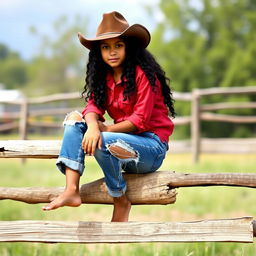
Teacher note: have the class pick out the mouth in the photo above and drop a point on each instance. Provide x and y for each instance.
(113, 60)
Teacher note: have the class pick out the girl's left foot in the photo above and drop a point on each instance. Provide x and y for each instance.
(67, 198)
(122, 207)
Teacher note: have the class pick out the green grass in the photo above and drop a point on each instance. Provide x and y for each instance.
(192, 204)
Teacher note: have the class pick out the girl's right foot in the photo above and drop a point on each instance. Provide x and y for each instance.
(67, 198)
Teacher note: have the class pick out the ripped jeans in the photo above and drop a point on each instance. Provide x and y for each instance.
(145, 154)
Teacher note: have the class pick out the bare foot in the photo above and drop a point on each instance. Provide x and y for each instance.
(67, 198)
(122, 207)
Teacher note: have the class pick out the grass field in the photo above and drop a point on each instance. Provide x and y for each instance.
(192, 204)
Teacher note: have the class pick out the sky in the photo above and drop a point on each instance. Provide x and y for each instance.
(17, 16)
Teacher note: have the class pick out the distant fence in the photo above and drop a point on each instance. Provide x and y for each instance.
(199, 112)
(21, 119)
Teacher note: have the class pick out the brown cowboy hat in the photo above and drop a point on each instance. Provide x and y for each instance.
(113, 25)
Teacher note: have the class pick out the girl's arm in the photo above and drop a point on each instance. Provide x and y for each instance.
(124, 126)
(92, 137)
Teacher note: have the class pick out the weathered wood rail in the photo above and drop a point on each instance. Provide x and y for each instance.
(227, 230)
(154, 188)
(50, 148)
(142, 189)
(29, 148)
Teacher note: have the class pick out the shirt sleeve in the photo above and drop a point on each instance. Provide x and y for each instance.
(145, 100)
(91, 107)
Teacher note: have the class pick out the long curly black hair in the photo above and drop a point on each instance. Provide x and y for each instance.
(97, 69)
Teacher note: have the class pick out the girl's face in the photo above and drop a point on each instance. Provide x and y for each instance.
(113, 52)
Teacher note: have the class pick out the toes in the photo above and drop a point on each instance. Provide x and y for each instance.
(49, 207)
(46, 208)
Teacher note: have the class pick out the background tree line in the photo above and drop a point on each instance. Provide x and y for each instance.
(211, 44)
(57, 67)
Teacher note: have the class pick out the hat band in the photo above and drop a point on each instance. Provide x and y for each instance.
(109, 33)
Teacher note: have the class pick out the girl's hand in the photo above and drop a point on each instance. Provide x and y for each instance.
(103, 127)
(92, 139)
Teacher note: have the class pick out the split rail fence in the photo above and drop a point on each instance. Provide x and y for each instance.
(199, 112)
(154, 188)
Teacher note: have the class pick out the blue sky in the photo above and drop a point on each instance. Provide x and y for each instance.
(16, 16)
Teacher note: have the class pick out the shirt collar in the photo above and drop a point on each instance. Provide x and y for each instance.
(111, 82)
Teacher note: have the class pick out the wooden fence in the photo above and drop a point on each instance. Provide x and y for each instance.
(199, 112)
(153, 188)
(25, 113)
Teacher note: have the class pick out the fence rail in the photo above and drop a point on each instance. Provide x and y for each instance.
(199, 112)
(226, 230)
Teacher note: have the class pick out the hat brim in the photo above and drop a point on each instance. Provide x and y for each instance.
(138, 31)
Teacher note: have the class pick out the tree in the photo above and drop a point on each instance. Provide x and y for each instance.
(207, 43)
(211, 44)
(13, 72)
(4, 51)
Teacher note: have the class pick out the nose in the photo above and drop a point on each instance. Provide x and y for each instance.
(112, 51)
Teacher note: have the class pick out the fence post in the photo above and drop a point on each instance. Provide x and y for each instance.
(195, 125)
(23, 127)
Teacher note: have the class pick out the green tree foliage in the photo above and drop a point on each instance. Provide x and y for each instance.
(209, 44)
(60, 63)
(206, 43)
(13, 71)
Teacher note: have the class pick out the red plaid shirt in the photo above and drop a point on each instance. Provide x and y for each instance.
(145, 109)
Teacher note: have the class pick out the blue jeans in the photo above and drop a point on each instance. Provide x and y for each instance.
(148, 154)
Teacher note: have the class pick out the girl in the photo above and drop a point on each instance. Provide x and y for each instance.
(123, 79)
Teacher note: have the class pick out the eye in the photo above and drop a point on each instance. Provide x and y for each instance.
(119, 45)
(104, 46)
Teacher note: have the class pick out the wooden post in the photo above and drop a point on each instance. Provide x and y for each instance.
(23, 127)
(195, 125)
(23, 119)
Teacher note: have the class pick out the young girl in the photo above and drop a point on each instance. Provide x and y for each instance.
(123, 79)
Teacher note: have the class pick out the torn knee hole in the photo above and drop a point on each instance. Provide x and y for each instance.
(122, 152)
(73, 118)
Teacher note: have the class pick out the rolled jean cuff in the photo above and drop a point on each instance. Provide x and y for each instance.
(117, 193)
(63, 162)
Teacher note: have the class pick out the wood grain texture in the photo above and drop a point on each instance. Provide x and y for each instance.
(29, 148)
(50, 148)
(152, 188)
(227, 230)
(141, 189)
